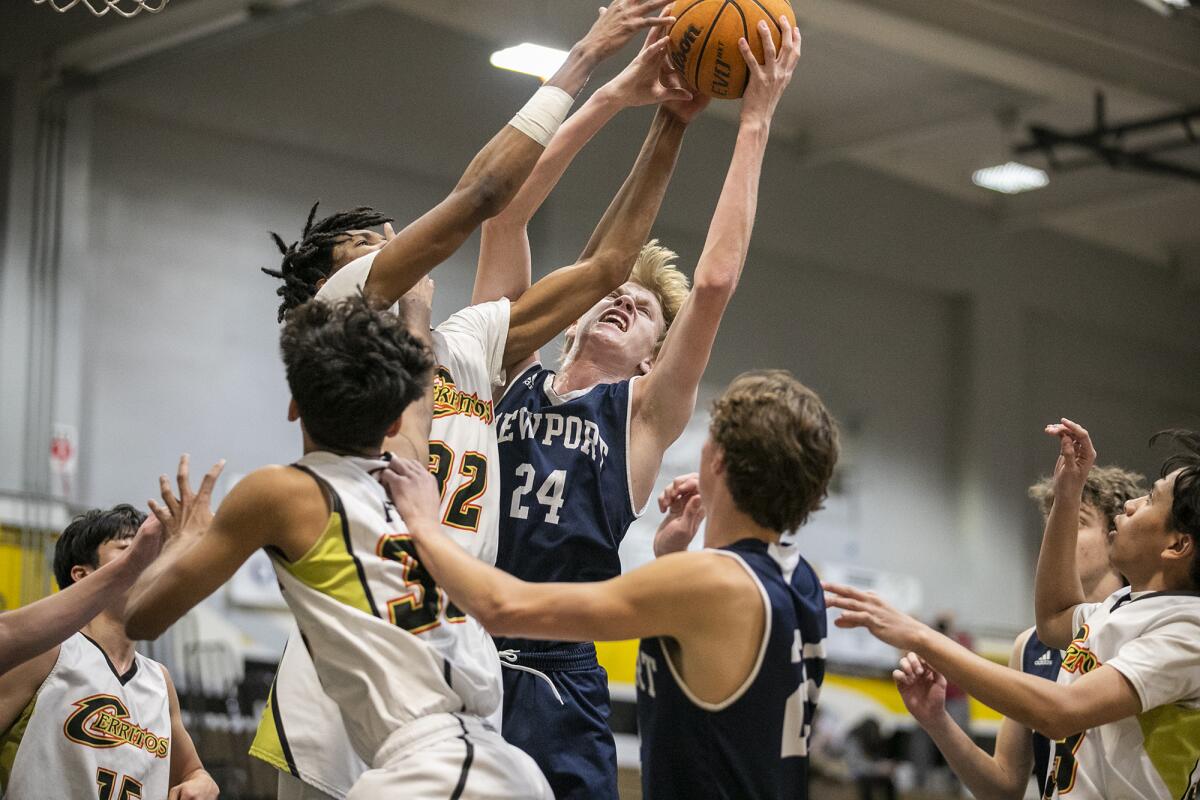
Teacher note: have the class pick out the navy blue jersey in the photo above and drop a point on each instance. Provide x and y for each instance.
(1044, 661)
(565, 501)
(755, 745)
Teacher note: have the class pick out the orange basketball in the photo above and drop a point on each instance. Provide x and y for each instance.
(705, 35)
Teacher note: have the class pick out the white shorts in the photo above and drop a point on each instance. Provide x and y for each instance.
(450, 756)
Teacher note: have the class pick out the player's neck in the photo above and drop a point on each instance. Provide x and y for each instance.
(584, 373)
(108, 631)
(1101, 586)
(311, 446)
(727, 524)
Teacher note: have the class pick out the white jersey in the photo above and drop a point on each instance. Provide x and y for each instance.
(89, 732)
(1153, 640)
(300, 731)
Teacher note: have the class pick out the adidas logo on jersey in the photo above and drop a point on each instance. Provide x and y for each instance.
(1044, 660)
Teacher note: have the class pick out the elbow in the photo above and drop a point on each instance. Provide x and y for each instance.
(721, 285)
(139, 627)
(498, 619)
(486, 196)
(612, 265)
(1054, 722)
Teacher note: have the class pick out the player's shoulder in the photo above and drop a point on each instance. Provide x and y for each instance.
(23, 681)
(279, 489)
(1019, 645)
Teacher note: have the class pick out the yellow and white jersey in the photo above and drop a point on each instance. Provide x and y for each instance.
(89, 732)
(1153, 640)
(300, 731)
(388, 646)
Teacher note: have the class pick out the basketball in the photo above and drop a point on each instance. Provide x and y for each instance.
(704, 41)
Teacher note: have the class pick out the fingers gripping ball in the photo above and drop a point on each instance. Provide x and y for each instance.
(704, 41)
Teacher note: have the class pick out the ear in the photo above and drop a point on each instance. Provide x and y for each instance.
(394, 428)
(1180, 547)
(718, 460)
(293, 410)
(79, 572)
(320, 282)
(645, 365)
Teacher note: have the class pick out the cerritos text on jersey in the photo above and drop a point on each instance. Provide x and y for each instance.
(102, 721)
(575, 432)
(448, 399)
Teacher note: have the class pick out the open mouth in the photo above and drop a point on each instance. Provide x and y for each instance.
(615, 318)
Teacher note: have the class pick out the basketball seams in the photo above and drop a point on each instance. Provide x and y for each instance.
(746, 36)
(680, 15)
(774, 21)
(716, 20)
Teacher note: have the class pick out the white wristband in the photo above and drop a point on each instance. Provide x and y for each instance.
(542, 115)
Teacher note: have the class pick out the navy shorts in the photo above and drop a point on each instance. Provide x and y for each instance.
(564, 728)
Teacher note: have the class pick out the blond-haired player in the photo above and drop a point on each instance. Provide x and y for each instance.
(580, 448)
(1005, 775)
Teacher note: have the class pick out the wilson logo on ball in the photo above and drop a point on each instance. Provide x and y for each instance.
(704, 41)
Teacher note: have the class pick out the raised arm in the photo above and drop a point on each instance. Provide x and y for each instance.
(33, 629)
(1057, 587)
(1103, 695)
(504, 258)
(561, 297)
(664, 400)
(272, 506)
(1002, 776)
(501, 167)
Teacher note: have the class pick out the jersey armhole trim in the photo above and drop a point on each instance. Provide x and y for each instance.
(533, 368)
(637, 512)
(762, 648)
(336, 507)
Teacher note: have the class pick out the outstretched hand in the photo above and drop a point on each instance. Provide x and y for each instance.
(1076, 455)
(143, 549)
(769, 79)
(414, 493)
(681, 503)
(868, 610)
(922, 688)
(190, 513)
(649, 78)
(620, 21)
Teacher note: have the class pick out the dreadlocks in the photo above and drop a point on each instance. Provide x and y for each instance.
(309, 260)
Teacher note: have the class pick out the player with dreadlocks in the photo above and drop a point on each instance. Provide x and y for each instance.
(485, 188)
(307, 263)
(474, 350)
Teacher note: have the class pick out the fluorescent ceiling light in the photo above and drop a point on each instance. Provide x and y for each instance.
(1010, 178)
(531, 59)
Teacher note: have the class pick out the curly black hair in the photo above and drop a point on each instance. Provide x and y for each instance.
(309, 260)
(1185, 503)
(353, 367)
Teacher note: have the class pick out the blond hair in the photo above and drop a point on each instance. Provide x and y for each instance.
(655, 270)
(1106, 490)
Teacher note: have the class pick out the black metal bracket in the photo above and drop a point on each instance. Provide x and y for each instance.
(1106, 144)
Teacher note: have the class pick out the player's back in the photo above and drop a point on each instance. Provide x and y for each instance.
(387, 644)
(90, 732)
(565, 496)
(754, 744)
